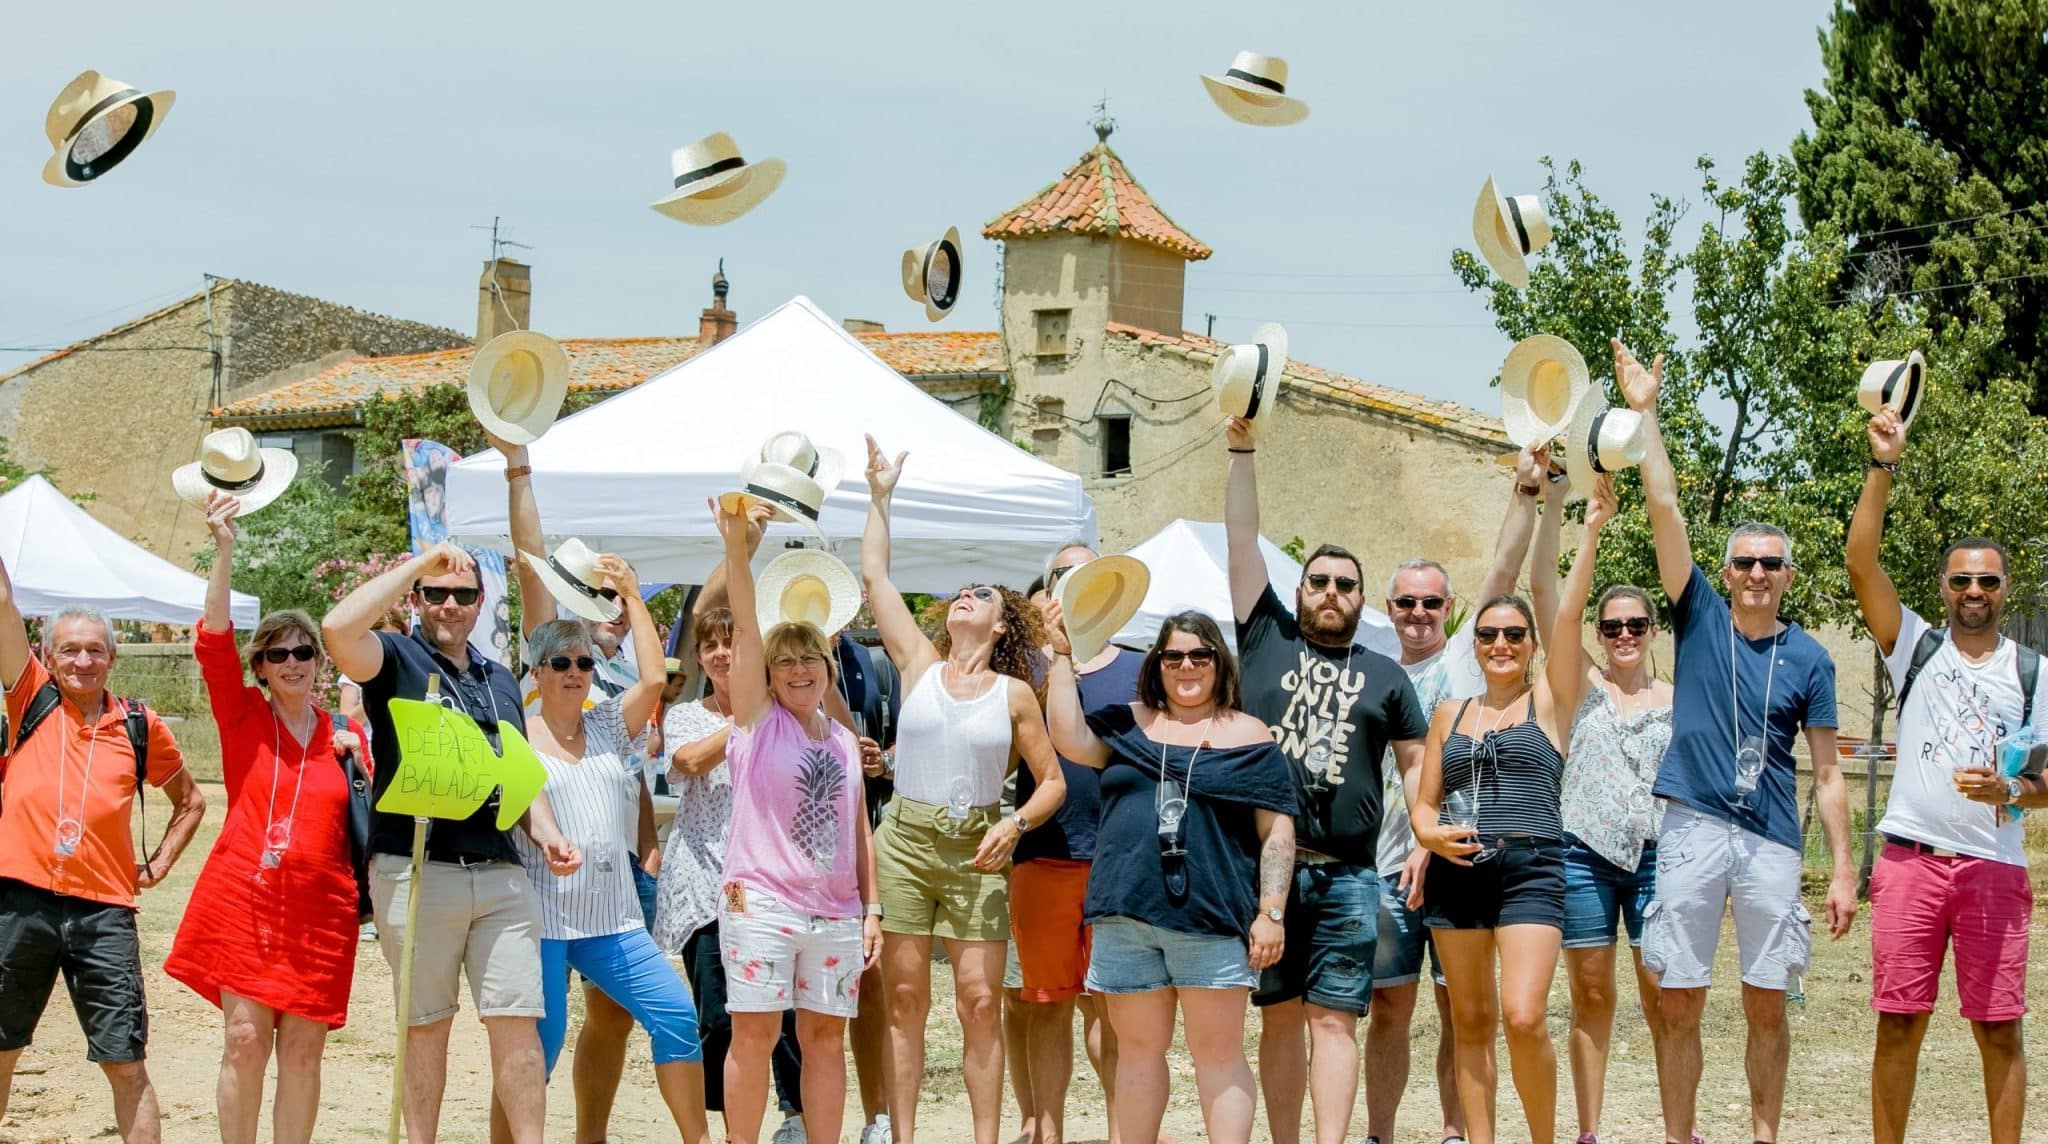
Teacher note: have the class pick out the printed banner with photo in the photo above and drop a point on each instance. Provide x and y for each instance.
(426, 502)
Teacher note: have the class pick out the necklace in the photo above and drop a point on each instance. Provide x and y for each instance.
(951, 675)
(71, 829)
(277, 833)
(1171, 809)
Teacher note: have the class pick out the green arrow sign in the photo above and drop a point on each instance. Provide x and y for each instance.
(446, 768)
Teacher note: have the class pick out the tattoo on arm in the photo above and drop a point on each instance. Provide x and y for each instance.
(1276, 867)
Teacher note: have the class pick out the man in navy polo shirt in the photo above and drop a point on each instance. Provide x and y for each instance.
(477, 911)
(1747, 683)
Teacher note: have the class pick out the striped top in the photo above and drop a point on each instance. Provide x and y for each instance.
(1516, 771)
(596, 800)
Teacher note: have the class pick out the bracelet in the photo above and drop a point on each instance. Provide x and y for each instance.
(1245, 452)
(874, 909)
(1528, 490)
(518, 471)
(1887, 466)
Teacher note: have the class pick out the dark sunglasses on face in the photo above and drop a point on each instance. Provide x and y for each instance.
(1635, 625)
(983, 593)
(1320, 581)
(464, 597)
(1745, 563)
(1988, 581)
(304, 653)
(1514, 635)
(611, 594)
(1426, 603)
(1199, 656)
(581, 663)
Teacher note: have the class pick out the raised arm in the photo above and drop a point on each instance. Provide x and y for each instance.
(713, 594)
(349, 627)
(1543, 577)
(908, 647)
(637, 703)
(14, 650)
(1064, 719)
(1639, 387)
(1517, 525)
(1875, 592)
(220, 522)
(1566, 665)
(1241, 521)
(536, 603)
(749, 680)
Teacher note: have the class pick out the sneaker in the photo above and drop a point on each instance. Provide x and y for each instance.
(878, 1132)
(791, 1132)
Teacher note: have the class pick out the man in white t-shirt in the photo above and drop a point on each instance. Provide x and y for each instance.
(1440, 667)
(1953, 871)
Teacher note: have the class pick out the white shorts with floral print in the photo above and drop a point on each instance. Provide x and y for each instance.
(777, 958)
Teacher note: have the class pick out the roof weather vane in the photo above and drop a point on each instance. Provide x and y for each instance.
(1104, 126)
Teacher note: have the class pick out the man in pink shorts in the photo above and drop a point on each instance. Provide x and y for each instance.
(1953, 871)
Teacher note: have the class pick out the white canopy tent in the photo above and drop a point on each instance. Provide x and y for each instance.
(1190, 565)
(632, 475)
(59, 556)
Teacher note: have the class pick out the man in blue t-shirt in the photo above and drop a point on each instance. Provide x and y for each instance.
(1746, 684)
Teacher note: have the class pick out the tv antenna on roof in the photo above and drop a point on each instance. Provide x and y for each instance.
(498, 240)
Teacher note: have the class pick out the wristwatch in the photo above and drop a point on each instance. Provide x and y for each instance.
(1275, 914)
(2013, 789)
(874, 909)
(1022, 823)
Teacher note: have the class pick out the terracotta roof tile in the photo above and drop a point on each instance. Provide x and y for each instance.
(1098, 196)
(1447, 416)
(595, 365)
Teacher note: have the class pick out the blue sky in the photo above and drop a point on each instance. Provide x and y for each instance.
(346, 151)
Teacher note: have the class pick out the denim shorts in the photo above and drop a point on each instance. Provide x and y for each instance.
(1332, 927)
(1397, 955)
(1129, 956)
(1600, 897)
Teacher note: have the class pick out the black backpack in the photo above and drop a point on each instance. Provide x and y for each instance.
(136, 718)
(2027, 661)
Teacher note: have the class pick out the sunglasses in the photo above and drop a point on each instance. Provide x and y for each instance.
(1426, 603)
(1320, 581)
(1175, 657)
(1989, 581)
(1514, 635)
(983, 593)
(611, 594)
(1634, 625)
(304, 653)
(787, 662)
(582, 663)
(1745, 563)
(464, 597)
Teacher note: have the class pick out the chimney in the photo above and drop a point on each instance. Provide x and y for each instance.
(504, 299)
(717, 323)
(861, 326)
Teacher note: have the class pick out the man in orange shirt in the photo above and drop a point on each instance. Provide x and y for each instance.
(68, 873)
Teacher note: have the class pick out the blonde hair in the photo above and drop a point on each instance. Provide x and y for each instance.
(799, 639)
(276, 626)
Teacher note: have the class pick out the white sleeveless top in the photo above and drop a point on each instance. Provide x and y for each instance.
(940, 738)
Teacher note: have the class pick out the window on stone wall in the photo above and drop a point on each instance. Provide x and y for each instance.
(1052, 332)
(1116, 444)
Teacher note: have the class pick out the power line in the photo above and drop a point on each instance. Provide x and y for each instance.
(1935, 289)
(1940, 222)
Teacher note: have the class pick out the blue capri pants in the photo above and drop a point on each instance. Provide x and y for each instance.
(631, 970)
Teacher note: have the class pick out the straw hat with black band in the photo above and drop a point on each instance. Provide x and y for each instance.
(1254, 91)
(1602, 439)
(1895, 385)
(571, 575)
(1246, 377)
(229, 462)
(792, 475)
(714, 184)
(806, 585)
(932, 275)
(96, 122)
(1509, 229)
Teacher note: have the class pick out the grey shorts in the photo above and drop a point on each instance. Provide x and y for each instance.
(1706, 866)
(483, 920)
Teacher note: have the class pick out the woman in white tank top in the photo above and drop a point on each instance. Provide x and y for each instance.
(943, 850)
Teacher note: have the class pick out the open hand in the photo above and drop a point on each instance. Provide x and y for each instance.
(1639, 386)
(221, 510)
(882, 472)
(619, 575)
(1601, 503)
(445, 559)
(1056, 627)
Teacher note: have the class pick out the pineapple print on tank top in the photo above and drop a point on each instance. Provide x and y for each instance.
(821, 780)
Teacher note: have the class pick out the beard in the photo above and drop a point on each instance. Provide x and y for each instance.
(1319, 626)
(1972, 620)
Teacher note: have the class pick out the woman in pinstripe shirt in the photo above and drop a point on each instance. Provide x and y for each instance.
(591, 920)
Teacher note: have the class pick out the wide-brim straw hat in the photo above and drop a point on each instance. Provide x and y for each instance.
(1509, 229)
(1895, 384)
(516, 385)
(572, 578)
(1246, 377)
(714, 184)
(96, 122)
(229, 462)
(932, 275)
(806, 585)
(1254, 91)
(1541, 384)
(1602, 439)
(1100, 597)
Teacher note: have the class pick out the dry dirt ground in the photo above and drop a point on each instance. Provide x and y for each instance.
(59, 1097)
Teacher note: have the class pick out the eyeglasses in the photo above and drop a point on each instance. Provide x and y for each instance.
(789, 662)
(1514, 635)
(1426, 603)
(304, 653)
(1199, 656)
(464, 597)
(611, 594)
(1989, 581)
(1058, 574)
(582, 663)
(1745, 563)
(983, 593)
(1635, 625)
(1320, 581)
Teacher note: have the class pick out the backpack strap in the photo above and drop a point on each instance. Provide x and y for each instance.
(1929, 643)
(136, 716)
(44, 701)
(2029, 663)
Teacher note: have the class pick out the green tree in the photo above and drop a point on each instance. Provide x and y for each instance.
(279, 550)
(1927, 151)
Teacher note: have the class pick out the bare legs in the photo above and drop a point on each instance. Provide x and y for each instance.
(1215, 1039)
(597, 1063)
(1591, 975)
(253, 1032)
(1528, 963)
(869, 1036)
(1302, 1042)
(977, 972)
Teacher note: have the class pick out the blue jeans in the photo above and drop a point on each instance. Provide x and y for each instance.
(1129, 956)
(1332, 926)
(631, 970)
(1600, 897)
(1397, 956)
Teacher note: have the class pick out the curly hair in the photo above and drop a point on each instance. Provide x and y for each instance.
(1023, 634)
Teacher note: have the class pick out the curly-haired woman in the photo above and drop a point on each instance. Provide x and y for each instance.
(969, 715)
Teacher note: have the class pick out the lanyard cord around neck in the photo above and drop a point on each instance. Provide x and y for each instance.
(92, 743)
(1187, 785)
(270, 819)
(1770, 676)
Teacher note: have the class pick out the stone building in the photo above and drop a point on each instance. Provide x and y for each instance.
(113, 415)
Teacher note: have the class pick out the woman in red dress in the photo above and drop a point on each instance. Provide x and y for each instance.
(270, 932)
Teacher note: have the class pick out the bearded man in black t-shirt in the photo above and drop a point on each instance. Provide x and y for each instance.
(1336, 708)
